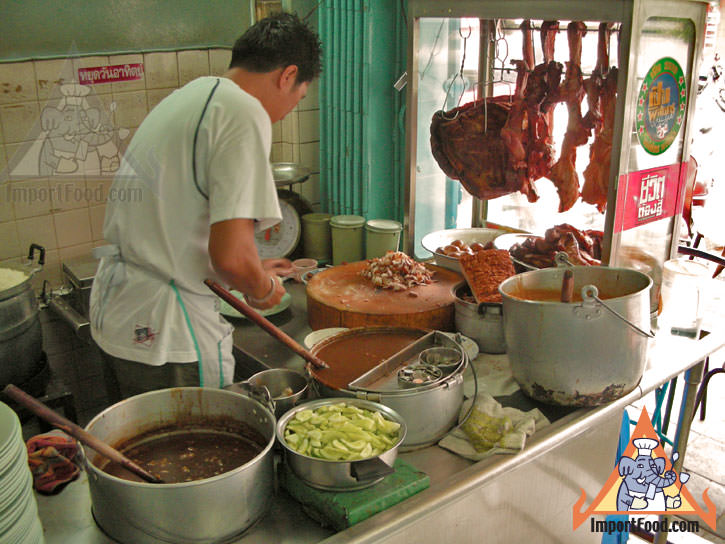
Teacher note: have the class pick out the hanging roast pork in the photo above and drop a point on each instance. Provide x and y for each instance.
(602, 99)
(484, 144)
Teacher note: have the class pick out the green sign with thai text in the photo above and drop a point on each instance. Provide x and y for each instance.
(661, 105)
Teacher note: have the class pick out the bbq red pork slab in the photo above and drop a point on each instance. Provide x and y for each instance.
(466, 143)
(484, 144)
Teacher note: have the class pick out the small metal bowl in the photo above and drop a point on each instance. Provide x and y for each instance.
(341, 475)
(443, 358)
(286, 387)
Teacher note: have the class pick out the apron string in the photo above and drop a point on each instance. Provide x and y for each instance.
(172, 283)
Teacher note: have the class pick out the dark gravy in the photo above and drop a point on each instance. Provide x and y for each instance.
(349, 357)
(188, 455)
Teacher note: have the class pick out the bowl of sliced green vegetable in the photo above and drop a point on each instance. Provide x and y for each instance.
(341, 444)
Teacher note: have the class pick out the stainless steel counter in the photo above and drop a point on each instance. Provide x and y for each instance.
(504, 498)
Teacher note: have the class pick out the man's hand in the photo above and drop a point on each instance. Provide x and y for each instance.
(234, 256)
(280, 267)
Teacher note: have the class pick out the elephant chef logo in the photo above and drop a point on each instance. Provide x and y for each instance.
(644, 482)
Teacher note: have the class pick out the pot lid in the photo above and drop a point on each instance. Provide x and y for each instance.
(383, 226)
(316, 217)
(347, 221)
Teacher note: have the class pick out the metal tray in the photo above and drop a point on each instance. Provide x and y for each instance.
(384, 377)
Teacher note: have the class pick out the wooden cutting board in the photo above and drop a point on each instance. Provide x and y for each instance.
(340, 297)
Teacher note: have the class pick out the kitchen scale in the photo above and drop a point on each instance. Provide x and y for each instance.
(283, 239)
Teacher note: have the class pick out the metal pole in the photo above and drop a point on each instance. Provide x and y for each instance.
(693, 377)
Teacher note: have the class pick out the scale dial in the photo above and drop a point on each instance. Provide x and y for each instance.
(281, 239)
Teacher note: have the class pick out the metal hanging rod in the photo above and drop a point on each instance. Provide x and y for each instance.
(562, 27)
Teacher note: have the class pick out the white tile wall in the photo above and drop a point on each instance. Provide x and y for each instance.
(161, 70)
(17, 82)
(39, 230)
(9, 242)
(97, 214)
(49, 74)
(192, 64)
(65, 213)
(219, 61)
(18, 120)
(68, 194)
(131, 108)
(30, 198)
(73, 228)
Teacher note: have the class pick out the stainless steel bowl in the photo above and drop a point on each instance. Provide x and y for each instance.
(286, 387)
(341, 475)
(441, 238)
(287, 173)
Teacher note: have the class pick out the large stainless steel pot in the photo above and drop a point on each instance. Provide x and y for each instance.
(204, 511)
(578, 353)
(430, 411)
(20, 333)
(341, 475)
(481, 322)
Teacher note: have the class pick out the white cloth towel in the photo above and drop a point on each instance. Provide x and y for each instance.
(492, 429)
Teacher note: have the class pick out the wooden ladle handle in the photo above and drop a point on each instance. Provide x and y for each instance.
(265, 324)
(86, 438)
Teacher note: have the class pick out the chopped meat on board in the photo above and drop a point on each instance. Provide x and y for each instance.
(397, 271)
(564, 174)
(596, 175)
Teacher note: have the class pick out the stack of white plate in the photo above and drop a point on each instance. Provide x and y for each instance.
(19, 521)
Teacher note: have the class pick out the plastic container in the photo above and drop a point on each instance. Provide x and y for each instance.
(316, 236)
(348, 243)
(381, 236)
(684, 284)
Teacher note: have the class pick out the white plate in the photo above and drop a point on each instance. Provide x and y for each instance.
(9, 425)
(228, 311)
(317, 336)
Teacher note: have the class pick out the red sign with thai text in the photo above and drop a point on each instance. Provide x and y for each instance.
(649, 195)
(110, 74)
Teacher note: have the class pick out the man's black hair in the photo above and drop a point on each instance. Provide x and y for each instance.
(278, 41)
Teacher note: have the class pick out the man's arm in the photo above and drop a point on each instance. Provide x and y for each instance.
(234, 257)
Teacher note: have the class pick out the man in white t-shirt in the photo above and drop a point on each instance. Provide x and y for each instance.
(194, 184)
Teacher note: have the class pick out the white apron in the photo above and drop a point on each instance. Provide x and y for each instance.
(209, 333)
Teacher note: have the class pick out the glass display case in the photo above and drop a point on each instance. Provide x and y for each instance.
(462, 51)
